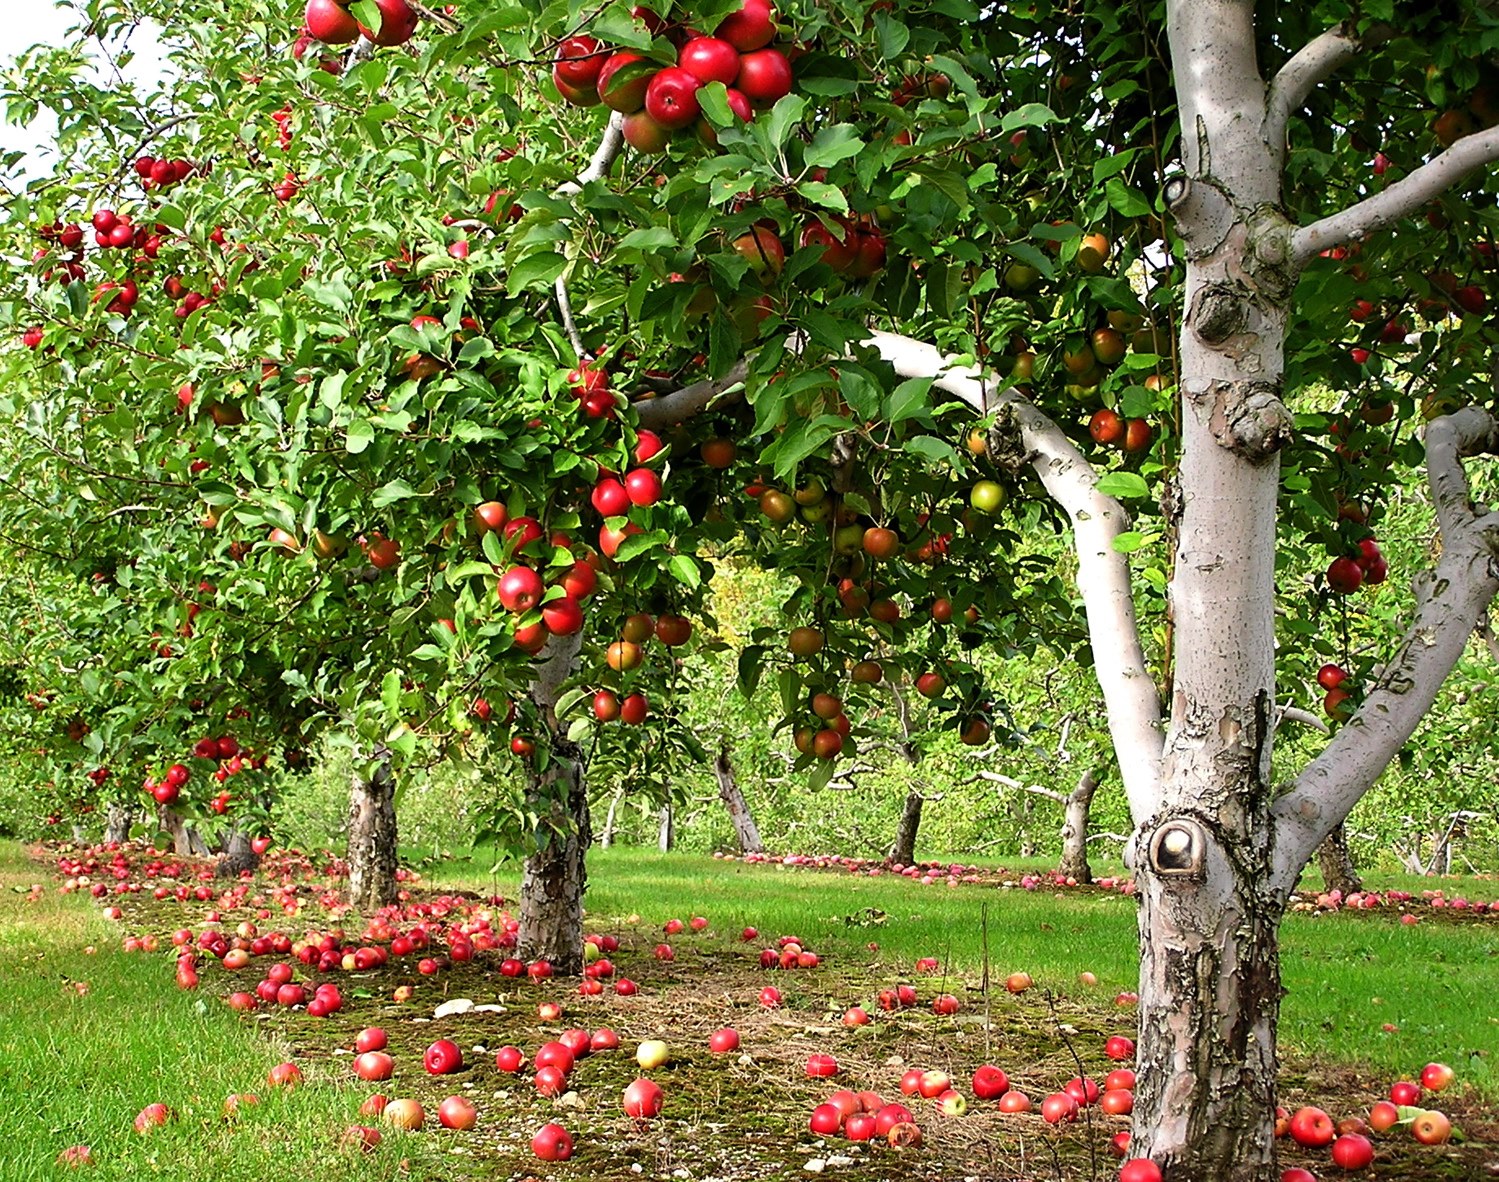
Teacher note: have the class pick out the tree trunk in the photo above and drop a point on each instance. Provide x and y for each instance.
(606, 838)
(187, 842)
(666, 834)
(903, 852)
(372, 836)
(118, 818)
(745, 830)
(1209, 1002)
(555, 877)
(238, 856)
(1074, 862)
(1338, 872)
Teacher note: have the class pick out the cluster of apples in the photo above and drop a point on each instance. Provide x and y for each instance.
(864, 1116)
(331, 22)
(1347, 573)
(162, 173)
(1351, 1149)
(1110, 429)
(657, 100)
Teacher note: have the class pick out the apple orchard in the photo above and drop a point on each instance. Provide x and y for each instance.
(401, 376)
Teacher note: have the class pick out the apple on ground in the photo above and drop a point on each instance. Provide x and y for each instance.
(552, 1143)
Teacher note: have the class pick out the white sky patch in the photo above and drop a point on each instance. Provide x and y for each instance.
(27, 23)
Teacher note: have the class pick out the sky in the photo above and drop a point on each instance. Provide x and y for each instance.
(44, 22)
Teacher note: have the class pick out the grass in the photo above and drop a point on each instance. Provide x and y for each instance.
(76, 1067)
(1346, 975)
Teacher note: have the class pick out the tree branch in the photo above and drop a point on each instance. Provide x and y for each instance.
(1304, 717)
(604, 156)
(1486, 634)
(1010, 782)
(1449, 602)
(671, 409)
(1313, 64)
(1134, 709)
(1404, 197)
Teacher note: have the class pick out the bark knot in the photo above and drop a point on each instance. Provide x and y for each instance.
(1220, 312)
(1246, 417)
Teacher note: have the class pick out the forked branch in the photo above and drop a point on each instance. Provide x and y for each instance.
(1450, 602)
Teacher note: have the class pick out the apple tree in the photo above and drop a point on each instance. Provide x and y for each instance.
(448, 303)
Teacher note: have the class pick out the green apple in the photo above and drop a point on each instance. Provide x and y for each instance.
(987, 496)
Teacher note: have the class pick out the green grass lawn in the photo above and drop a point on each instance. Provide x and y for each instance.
(76, 1067)
(1346, 975)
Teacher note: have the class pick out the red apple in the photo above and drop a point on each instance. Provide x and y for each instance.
(710, 59)
(579, 61)
(1312, 1127)
(723, 1041)
(764, 76)
(1431, 1128)
(404, 1114)
(509, 1059)
(671, 98)
(1058, 1108)
(643, 1099)
(623, 79)
(990, 1083)
(1437, 1077)
(1352, 1152)
(1405, 1094)
(397, 23)
(457, 1112)
(374, 1065)
(749, 28)
(552, 1143)
(442, 1058)
(1119, 1048)
(330, 22)
(521, 589)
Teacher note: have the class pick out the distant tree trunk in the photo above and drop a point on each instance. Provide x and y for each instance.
(118, 818)
(746, 832)
(372, 836)
(903, 851)
(1338, 872)
(554, 878)
(187, 842)
(238, 856)
(666, 834)
(1074, 862)
(606, 838)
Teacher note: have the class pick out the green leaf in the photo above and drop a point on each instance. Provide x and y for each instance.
(909, 399)
(391, 492)
(537, 270)
(1032, 257)
(931, 448)
(648, 238)
(893, 35)
(359, 436)
(1030, 115)
(751, 664)
(685, 570)
(828, 196)
(782, 120)
(1123, 485)
(475, 350)
(1125, 201)
(833, 144)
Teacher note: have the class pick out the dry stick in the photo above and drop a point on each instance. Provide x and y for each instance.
(988, 1008)
(1082, 1075)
